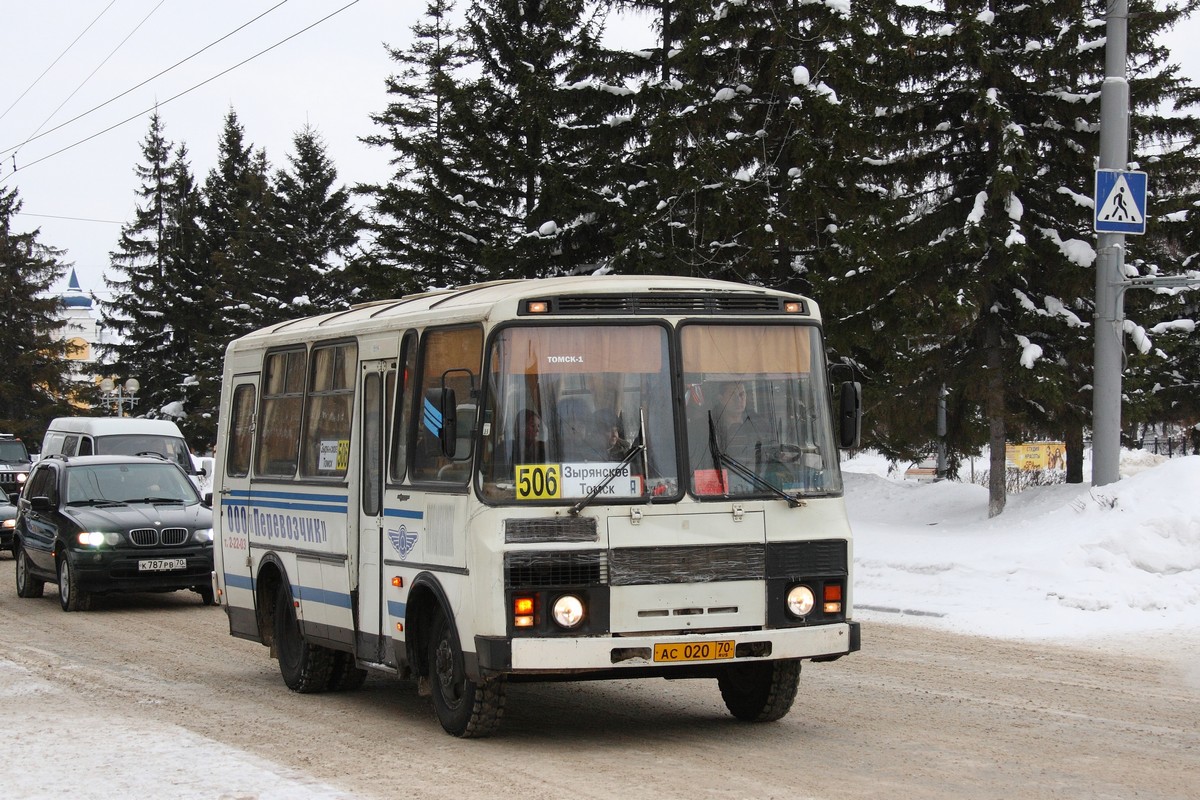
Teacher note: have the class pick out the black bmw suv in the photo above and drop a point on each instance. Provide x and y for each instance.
(98, 524)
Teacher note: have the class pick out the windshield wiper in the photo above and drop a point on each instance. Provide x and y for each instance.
(95, 501)
(741, 469)
(154, 500)
(639, 446)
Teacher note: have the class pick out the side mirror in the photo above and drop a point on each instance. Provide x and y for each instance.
(41, 503)
(206, 499)
(850, 415)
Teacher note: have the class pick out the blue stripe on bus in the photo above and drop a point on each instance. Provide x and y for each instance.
(312, 594)
(404, 513)
(259, 503)
(235, 581)
(308, 496)
(396, 609)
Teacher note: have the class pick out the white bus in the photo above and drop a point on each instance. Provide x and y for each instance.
(559, 479)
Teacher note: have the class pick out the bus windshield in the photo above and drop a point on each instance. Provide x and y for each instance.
(568, 407)
(757, 411)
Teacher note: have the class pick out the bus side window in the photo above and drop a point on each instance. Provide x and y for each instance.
(450, 360)
(401, 421)
(282, 407)
(329, 410)
(237, 459)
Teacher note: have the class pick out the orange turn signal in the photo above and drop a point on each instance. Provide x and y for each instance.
(398, 582)
(537, 307)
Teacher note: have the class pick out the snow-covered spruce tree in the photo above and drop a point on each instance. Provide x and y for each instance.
(988, 147)
(752, 157)
(544, 104)
(422, 237)
(247, 272)
(316, 227)
(149, 291)
(36, 382)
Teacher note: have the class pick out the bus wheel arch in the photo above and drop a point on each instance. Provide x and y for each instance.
(467, 705)
(266, 587)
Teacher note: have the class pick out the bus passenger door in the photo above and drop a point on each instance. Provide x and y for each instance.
(378, 382)
(232, 501)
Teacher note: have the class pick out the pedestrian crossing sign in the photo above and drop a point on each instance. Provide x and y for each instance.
(1120, 202)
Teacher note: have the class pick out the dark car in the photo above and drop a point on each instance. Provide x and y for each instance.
(14, 465)
(8, 520)
(99, 524)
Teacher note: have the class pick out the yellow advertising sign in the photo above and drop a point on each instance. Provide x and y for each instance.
(1036, 456)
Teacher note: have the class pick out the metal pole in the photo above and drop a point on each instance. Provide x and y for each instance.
(1110, 258)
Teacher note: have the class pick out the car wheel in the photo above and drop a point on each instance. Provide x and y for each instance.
(206, 595)
(27, 584)
(70, 596)
(306, 667)
(464, 708)
(762, 691)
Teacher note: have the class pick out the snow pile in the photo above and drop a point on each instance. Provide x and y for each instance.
(1061, 562)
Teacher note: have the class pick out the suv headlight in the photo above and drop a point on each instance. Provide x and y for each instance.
(99, 538)
(203, 536)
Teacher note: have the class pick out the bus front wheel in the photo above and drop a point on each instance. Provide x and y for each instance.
(464, 708)
(762, 691)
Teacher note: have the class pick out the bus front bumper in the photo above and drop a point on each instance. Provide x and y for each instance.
(564, 655)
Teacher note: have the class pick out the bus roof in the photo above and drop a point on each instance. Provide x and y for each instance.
(601, 295)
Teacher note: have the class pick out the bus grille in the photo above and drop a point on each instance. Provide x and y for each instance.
(824, 557)
(634, 566)
(668, 304)
(565, 529)
(531, 569)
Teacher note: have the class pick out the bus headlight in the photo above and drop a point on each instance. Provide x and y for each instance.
(800, 601)
(568, 611)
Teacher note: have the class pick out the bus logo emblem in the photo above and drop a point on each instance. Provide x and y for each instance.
(403, 541)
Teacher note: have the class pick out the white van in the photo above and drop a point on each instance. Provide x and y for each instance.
(83, 436)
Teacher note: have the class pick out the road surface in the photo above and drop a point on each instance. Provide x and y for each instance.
(916, 714)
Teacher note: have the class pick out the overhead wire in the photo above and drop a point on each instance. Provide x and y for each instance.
(188, 90)
(88, 78)
(56, 60)
(157, 75)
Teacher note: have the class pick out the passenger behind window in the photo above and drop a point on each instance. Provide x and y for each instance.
(528, 448)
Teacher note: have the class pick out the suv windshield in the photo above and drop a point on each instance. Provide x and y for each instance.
(128, 483)
(131, 444)
(564, 405)
(12, 451)
(757, 411)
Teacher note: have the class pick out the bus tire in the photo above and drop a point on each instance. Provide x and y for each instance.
(464, 708)
(345, 675)
(306, 667)
(27, 584)
(761, 691)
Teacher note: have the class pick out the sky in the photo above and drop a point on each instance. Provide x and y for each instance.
(63, 58)
(1116, 567)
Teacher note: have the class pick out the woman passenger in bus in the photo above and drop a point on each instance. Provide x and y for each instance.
(610, 445)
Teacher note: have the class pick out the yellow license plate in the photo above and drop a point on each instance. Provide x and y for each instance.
(694, 651)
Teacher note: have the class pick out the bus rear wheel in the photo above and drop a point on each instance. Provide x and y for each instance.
(762, 691)
(464, 708)
(306, 667)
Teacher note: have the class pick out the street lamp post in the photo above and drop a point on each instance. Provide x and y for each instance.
(119, 396)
